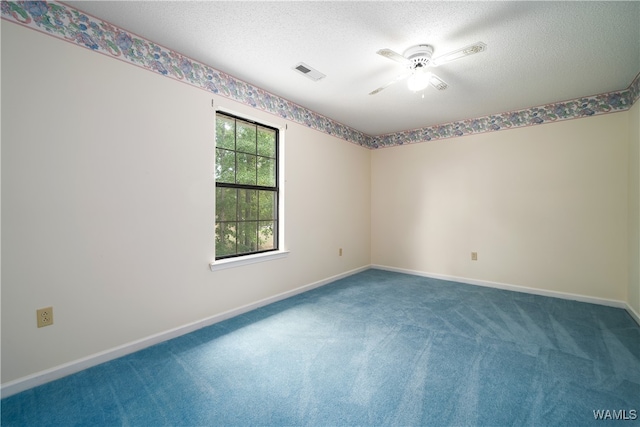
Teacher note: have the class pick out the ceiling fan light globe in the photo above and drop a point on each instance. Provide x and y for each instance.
(418, 81)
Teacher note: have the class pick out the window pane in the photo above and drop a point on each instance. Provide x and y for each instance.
(225, 166)
(266, 171)
(247, 237)
(226, 204)
(225, 238)
(267, 203)
(267, 233)
(246, 172)
(246, 137)
(225, 132)
(247, 205)
(266, 142)
(246, 217)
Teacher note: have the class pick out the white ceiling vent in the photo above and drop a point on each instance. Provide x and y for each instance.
(307, 71)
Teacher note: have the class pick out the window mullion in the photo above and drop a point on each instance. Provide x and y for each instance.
(256, 145)
(237, 223)
(235, 151)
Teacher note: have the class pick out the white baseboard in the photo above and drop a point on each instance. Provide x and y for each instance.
(43, 377)
(515, 288)
(633, 314)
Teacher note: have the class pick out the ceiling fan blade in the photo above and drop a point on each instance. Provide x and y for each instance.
(394, 56)
(396, 80)
(437, 82)
(460, 53)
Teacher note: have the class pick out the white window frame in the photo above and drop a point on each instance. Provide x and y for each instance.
(281, 252)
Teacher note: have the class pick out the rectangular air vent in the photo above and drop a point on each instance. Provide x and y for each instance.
(308, 71)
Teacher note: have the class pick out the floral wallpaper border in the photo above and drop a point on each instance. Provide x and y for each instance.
(634, 90)
(566, 110)
(67, 23)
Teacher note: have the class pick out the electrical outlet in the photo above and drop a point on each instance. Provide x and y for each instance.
(474, 256)
(45, 317)
(340, 252)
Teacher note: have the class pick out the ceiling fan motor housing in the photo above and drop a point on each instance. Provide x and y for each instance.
(419, 56)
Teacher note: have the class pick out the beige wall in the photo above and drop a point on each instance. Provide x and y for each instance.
(545, 207)
(634, 208)
(108, 198)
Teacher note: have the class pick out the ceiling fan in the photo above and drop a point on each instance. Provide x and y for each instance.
(418, 59)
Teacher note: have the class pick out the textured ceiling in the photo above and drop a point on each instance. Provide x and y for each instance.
(537, 52)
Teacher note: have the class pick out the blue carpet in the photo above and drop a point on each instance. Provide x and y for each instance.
(377, 348)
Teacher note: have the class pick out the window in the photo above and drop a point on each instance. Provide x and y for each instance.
(247, 190)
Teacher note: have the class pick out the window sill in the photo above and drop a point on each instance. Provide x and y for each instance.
(246, 260)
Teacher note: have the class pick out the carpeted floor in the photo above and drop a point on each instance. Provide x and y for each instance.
(377, 348)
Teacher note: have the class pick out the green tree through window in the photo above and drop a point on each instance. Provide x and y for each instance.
(246, 174)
